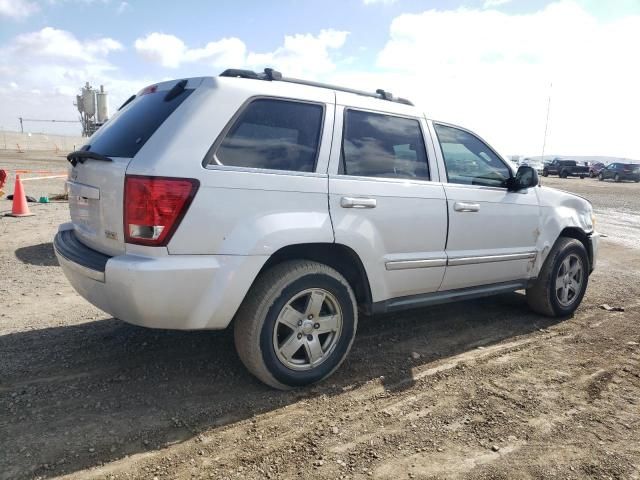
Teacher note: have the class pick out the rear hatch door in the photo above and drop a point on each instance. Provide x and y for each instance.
(96, 186)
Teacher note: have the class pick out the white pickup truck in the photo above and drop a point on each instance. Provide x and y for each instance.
(287, 208)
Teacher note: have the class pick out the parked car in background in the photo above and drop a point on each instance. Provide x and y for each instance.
(594, 170)
(291, 207)
(538, 165)
(565, 168)
(620, 171)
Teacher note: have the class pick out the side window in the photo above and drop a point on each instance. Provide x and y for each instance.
(273, 134)
(470, 161)
(376, 145)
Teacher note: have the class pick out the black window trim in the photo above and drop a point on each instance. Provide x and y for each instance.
(210, 162)
(498, 156)
(392, 179)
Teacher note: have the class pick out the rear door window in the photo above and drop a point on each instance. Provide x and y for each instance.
(377, 145)
(126, 133)
(273, 134)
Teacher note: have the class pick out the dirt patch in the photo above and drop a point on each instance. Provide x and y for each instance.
(478, 389)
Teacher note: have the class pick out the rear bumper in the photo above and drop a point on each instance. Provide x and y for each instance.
(185, 292)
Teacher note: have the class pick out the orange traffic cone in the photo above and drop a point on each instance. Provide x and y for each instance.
(20, 207)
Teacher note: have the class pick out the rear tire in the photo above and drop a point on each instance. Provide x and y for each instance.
(616, 178)
(601, 177)
(301, 304)
(545, 173)
(581, 177)
(562, 281)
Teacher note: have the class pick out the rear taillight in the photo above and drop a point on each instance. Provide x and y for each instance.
(154, 207)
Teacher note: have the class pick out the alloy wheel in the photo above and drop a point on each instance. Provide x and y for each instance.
(307, 329)
(569, 280)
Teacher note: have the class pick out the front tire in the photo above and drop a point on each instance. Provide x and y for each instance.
(563, 174)
(616, 178)
(601, 177)
(562, 281)
(296, 325)
(545, 173)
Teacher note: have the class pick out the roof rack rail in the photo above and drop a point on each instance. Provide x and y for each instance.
(273, 75)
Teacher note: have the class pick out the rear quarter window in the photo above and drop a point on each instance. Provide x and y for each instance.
(126, 133)
(273, 134)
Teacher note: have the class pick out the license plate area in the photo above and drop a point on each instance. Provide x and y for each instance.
(84, 207)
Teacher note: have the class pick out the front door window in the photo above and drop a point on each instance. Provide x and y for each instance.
(469, 160)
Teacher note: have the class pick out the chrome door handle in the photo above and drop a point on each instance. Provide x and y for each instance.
(357, 202)
(466, 207)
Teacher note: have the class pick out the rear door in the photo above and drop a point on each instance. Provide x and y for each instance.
(96, 188)
(492, 231)
(385, 198)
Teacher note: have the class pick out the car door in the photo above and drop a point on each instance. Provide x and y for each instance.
(385, 198)
(492, 231)
(608, 171)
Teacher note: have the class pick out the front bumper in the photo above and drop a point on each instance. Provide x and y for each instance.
(184, 292)
(594, 241)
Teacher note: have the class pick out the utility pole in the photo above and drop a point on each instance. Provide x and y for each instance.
(546, 124)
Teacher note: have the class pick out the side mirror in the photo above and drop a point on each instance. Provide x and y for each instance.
(526, 177)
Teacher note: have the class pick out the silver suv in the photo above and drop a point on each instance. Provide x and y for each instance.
(288, 207)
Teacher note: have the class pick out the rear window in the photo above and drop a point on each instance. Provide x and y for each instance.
(125, 134)
(273, 134)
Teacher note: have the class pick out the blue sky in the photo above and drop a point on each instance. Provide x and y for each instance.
(487, 64)
(260, 24)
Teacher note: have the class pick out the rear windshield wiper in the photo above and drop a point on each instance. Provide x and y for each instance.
(80, 156)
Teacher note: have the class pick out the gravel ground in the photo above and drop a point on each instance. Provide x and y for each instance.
(477, 389)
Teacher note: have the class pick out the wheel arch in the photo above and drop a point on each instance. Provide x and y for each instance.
(337, 256)
(582, 237)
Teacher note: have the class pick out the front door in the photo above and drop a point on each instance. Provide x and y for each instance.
(383, 199)
(492, 231)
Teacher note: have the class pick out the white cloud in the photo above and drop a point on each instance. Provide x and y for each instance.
(167, 50)
(17, 9)
(299, 54)
(302, 55)
(491, 71)
(494, 3)
(123, 7)
(53, 43)
(224, 52)
(41, 72)
(170, 51)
